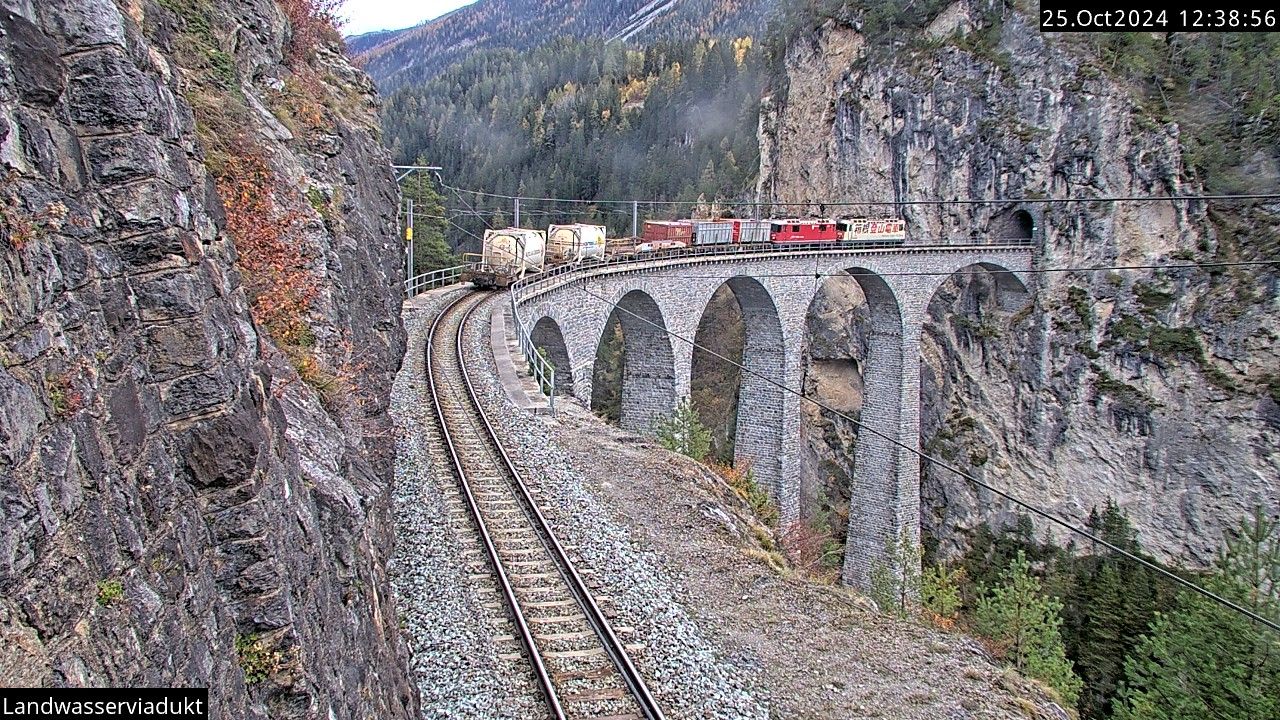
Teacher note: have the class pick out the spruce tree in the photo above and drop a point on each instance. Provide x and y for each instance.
(1109, 602)
(1204, 660)
(1024, 625)
(684, 433)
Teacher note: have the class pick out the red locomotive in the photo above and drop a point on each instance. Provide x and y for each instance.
(804, 231)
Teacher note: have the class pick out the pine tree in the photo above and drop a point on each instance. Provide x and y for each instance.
(1206, 660)
(1024, 625)
(940, 593)
(684, 433)
(895, 581)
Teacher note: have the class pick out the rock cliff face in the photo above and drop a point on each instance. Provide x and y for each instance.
(199, 301)
(1155, 387)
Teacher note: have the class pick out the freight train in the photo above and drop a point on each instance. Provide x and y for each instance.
(511, 254)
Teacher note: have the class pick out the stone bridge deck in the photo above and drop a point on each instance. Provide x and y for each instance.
(661, 298)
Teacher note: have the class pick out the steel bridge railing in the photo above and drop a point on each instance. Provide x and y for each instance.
(539, 367)
(437, 278)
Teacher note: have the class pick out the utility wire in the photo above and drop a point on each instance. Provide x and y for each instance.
(464, 202)
(898, 203)
(929, 459)
(468, 232)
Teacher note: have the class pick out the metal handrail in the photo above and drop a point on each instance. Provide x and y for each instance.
(541, 369)
(437, 278)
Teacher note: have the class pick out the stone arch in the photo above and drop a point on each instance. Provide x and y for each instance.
(1014, 226)
(1012, 293)
(547, 335)
(881, 500)
(968, 364)
(648, 363)
(759, 425)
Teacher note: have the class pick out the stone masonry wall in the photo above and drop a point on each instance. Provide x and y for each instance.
(886, 499)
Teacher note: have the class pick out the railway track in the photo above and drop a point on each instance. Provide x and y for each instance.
(580, 665)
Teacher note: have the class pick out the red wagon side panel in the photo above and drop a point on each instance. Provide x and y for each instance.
(661, 231)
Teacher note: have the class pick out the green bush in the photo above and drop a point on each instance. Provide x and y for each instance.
(109, 591)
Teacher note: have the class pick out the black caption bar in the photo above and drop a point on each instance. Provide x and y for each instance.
(1217, 16)
(133, 703)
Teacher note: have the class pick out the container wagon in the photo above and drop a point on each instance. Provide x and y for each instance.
(804, 231)
(873, 231)
(575, 243)
(713, 233)
(751, 232)
(659, 231)
(506, 256)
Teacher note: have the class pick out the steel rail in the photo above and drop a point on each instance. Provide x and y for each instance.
(521, 623)
(612, 645)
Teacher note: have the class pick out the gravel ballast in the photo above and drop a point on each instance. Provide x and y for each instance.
(671, 558)
(442, 604)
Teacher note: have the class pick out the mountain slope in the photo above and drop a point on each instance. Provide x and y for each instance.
(420, 53)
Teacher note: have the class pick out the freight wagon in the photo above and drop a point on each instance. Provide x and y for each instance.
(575, 243)
(713, 232)
(751, 232)
(506, 256)
(659, 231)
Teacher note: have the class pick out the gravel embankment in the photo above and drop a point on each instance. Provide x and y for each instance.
(686, 675)
(725, 635)
(442, 602)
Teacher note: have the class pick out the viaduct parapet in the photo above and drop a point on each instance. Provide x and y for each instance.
(660, 299)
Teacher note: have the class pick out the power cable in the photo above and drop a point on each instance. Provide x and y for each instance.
(900, 203)
(464, 202)
(464, 230)
(1225, 602)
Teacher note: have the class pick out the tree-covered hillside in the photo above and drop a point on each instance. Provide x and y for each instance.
(418, 54)
(586, 120)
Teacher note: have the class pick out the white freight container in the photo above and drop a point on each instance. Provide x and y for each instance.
(505, 257)
(713, 233)
(753, 231)
(575, 243)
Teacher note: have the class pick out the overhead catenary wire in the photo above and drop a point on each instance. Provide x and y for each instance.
(464, 202)
(1215, 597)
(897, 203)
(464, 230)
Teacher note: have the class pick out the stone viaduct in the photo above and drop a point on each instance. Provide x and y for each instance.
(660, 299)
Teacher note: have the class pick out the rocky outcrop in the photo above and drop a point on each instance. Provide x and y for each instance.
(1154, 387)
(189, 496)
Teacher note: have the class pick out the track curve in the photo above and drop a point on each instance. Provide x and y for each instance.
(581, 666)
